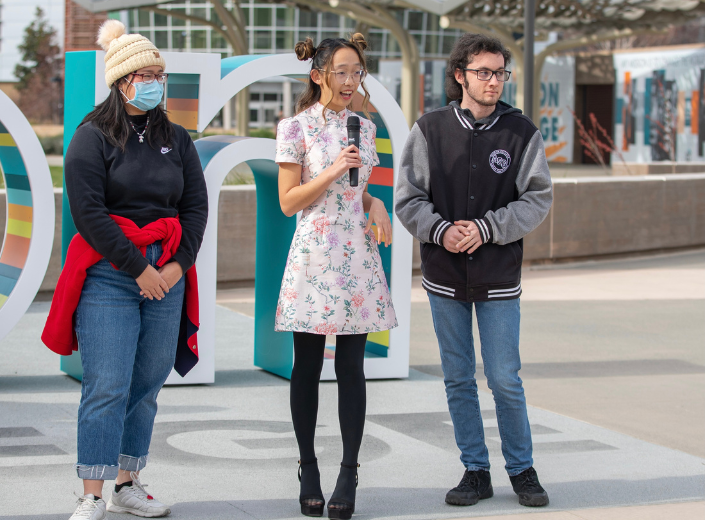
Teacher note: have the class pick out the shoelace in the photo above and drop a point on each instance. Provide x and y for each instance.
(86, 506)
(137, 487)
(529, 480)
(470, 480)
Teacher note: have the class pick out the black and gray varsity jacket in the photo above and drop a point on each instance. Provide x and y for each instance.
(492, 171)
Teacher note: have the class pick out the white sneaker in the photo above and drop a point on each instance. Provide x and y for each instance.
(88, 508)
(135, 500)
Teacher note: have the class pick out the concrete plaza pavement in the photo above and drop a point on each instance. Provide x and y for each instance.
(614, 371)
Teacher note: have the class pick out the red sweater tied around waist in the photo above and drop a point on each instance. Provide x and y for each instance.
(59, 334)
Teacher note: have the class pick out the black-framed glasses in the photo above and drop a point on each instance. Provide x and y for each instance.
(342, 77)
(149, 77)
(486, 75)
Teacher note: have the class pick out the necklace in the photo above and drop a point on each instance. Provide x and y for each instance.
(140, 135)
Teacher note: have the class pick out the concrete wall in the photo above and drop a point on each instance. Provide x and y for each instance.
(590, 217)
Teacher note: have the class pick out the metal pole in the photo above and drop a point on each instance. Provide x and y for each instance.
(529, 18)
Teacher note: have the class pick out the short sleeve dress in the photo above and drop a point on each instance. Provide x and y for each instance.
(333, 282)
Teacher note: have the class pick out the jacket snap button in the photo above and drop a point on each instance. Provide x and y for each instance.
(469, 258)
(472, 197)
(475, 134)
(474, 165)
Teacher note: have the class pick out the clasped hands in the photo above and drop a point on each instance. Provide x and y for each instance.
(462, 236)
(155, 283)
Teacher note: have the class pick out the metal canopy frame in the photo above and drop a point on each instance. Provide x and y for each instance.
(581, 22)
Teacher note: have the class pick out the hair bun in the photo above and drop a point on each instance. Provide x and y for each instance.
(305, 50)
(359, 40)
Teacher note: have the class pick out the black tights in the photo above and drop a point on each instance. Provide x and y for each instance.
(352, 398)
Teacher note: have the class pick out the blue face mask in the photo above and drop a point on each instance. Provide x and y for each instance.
(147, 95)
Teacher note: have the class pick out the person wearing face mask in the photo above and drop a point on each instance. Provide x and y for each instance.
(126, 294)
(333, 281)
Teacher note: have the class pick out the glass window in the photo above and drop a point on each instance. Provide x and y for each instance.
(254, 96)
(269, 115)
(178, 39)
(415, 21)
(349, 23)
(285, 16)
(159, 20)
(432, 22)
(375, 40)
(218, 41)
(419, 40)
(263, 39)
(199, 12)
(246, 15)
(285, 40)
(143, 20)
(147, 34)
(198, 39)
(254, 115)
(216, 19)
(161, 39)
(271, 96)
(329, 34)
(308, 18)
(448, 42)
(177, 22)
(330, 20)
(431, 44)
(263, 16)
(393, 46)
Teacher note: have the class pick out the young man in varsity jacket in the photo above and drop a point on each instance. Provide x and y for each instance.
(473, 182)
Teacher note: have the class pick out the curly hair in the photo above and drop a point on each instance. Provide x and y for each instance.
(465, 49)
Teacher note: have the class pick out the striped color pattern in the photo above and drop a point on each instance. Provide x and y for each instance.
(182, 100)
(19, 214)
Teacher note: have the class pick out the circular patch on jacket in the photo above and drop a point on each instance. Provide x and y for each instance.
(500, 161)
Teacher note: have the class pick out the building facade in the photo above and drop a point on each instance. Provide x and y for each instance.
(275, 28)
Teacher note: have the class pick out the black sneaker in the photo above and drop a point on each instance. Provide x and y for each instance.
(526, 485)
(474, 486)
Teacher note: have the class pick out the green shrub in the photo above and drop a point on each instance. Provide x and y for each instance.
(262, 132)
(53, 145)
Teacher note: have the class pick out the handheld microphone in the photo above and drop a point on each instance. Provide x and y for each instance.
(354, 138)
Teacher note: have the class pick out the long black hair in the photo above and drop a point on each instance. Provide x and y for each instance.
(322, 60)
(110, 117)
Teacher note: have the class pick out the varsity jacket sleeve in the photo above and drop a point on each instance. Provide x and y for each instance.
(535, 191)
(413, 203)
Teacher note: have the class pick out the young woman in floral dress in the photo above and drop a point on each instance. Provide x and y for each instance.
(333, 283)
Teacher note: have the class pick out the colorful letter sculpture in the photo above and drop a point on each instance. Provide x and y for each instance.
(199, 86)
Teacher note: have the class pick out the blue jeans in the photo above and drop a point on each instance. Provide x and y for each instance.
(498, 322)
(127, 345)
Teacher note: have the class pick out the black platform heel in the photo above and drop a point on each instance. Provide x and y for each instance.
(343, 499)
(311, 496)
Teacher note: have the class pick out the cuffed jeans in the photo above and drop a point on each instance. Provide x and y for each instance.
(127, 345)
(498, 322)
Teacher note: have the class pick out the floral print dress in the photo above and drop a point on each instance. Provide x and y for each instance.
(333, 282)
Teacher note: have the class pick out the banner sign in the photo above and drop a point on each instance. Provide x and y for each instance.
(660, 105)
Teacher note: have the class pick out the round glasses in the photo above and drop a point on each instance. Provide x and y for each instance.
(342, 77)
(149, 78)
(486, 75)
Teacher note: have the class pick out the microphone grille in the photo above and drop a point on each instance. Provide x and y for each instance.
(353, 121)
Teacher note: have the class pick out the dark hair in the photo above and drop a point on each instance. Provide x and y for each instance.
(468, 46)
(110, 117)
(322, 60)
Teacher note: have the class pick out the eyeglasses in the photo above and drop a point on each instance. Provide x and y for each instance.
(486, 75)
(149, 78)
(358, 76)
